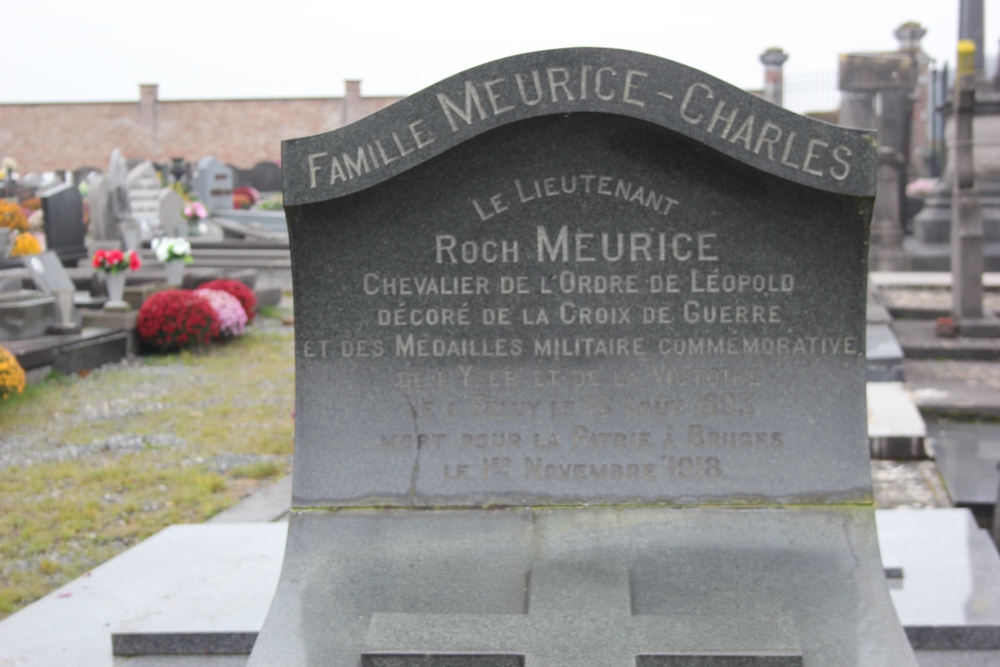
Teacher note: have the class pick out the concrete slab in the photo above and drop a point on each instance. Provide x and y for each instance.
(949, 597)
(895, 427)
(970, 387)
(216, 578)
(951, 658)
(268, 504)
(967, 456)
(924, 279)
(919, 342)
(876, 314)
(883, 355)
(220, 578)
(916, 303)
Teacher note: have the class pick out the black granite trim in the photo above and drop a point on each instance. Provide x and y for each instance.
(955, 637)
(638, 85)
(33, 357)
(441, 660)
(91, 353)
(182, 643)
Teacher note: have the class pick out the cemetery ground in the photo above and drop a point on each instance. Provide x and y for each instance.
(91, 465)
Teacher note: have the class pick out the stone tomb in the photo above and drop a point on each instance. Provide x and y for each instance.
(26, 314)
(581, 379)
(213, 181)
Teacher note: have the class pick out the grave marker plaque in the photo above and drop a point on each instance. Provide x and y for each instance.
(589, 316)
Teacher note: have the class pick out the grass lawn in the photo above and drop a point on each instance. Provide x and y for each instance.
(89, 466)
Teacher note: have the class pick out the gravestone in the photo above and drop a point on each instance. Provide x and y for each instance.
(51, 278)
(266, 177)
(97, 201)
(144, 193)
(170, 213)
(64, 230)
(47, 272)
(581, 379)
(118, 211)
(213, 181)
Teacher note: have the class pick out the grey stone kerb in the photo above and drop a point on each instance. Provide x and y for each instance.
(682, 99)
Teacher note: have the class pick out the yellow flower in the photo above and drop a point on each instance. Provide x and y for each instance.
(12, 217)
(25, 244)
(11, 375)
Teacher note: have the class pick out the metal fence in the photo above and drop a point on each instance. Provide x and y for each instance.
(811, 91)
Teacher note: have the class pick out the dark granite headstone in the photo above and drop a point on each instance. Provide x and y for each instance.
(64, 230)
(266, 177)
(581, 379)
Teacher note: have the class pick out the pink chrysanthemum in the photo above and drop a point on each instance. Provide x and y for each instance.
(232, 318)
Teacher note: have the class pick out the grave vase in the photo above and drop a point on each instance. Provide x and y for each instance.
(131, 234)
(4, 242)
(175, 273)
(115, 283)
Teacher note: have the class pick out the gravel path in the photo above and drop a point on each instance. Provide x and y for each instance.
(101, 401)
(103, 396)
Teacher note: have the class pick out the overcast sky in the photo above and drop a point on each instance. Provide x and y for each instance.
(95, 50)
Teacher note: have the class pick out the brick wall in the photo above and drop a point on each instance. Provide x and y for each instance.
(44, 137)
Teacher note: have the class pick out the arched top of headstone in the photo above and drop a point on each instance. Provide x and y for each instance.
(578, 80)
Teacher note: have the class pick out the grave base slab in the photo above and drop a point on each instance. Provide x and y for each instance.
(764, 584)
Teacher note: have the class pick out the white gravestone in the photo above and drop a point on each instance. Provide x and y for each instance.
(214, 184)
(97, 200)
(170, 211)
(144, 193)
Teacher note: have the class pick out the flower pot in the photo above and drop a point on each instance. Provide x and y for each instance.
(131, 234)
(116, 288)
(175, 273)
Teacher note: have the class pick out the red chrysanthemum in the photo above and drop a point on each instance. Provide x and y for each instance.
(176, 318)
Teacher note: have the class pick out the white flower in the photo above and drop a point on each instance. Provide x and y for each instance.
(169, 249)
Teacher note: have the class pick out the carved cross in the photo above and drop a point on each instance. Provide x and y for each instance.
(579, 615)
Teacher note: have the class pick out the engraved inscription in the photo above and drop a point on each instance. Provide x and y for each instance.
(699, 105)
(502, 314)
